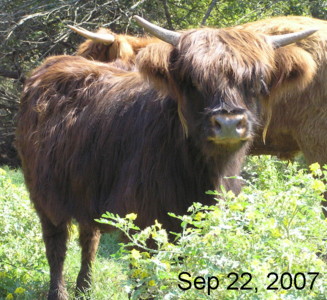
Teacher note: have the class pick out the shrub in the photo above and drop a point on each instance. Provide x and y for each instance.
(266, 243)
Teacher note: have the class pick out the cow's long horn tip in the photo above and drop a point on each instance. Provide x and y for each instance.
(71, 27)
(310, 31)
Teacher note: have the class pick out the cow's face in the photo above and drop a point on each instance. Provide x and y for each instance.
(104, 46)
(216, 82)
(217, 77)
(219, 84)
(223, 119)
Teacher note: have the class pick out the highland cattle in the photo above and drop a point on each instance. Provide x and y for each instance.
(94, 138)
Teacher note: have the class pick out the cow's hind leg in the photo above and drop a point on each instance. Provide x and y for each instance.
(55, 239)
(89, 241)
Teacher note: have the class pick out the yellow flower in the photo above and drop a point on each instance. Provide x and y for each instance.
(131, 216)
(152, 283)
(9, 297)
(136, 273)
(135, 254)
(315, 169)
(236, 207)
(230, 195)
(3, 172)
(144, 274)
(199, 216)
(318, 186)
(20, 290)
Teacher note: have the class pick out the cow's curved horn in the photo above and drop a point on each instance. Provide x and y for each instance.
(289, 38)
(105, 38)
(166, 35)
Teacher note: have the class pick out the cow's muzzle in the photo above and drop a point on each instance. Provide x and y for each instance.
(230, 127)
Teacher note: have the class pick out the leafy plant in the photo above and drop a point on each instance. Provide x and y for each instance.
(266, 243)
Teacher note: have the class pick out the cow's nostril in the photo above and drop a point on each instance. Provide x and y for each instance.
(241, 124)
(217, 124)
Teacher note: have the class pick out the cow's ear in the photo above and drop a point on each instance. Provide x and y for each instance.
(295, 70)
(93, 51)
(153, 63)
(121, 49)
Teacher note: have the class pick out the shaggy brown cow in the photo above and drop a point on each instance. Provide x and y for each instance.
(293, 117)
(295, 111)
(295, 114)
(93, 138)
(106, 46)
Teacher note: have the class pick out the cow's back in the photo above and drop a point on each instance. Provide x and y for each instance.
(61, 133)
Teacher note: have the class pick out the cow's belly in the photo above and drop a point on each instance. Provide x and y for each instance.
(280, 144)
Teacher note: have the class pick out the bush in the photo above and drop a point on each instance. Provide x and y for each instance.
(266, 243)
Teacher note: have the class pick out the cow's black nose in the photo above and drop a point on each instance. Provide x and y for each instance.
(229, 126)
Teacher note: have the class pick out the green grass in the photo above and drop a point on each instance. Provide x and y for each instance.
(274, 225)
(23, 265)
